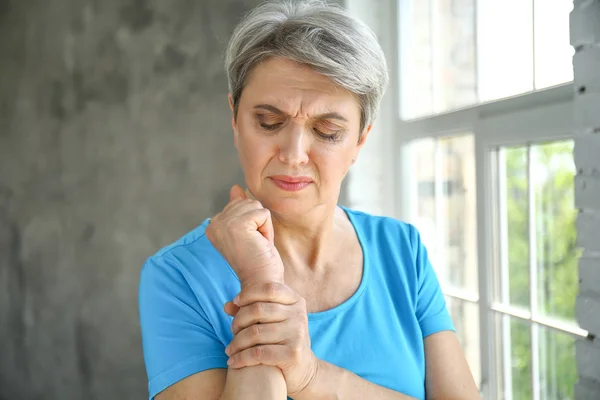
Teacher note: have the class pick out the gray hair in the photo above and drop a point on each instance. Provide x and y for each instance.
(325, 37)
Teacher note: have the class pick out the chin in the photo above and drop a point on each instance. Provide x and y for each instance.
(289, 206)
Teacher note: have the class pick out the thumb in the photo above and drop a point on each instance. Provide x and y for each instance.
(237, 192)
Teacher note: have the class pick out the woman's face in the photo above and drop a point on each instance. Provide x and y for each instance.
(296, 133)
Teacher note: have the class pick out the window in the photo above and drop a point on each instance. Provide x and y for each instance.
(445, 214)
(535, 270)
(484, 128)
(458, 53)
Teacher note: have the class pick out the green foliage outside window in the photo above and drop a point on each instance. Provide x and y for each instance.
(557, 260)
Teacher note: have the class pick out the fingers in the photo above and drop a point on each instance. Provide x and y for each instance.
(237, 192)
(241, 201)
(257, 313)
(252, 216)
(238, 207)
(259, 334)
(231, 309)
(265, 226)
(271, 292)
(271, 354)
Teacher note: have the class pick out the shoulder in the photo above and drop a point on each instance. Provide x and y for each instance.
(189, 263)
(195, 237)
(381, 230)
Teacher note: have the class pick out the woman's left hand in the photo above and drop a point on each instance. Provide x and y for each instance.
(270, 327)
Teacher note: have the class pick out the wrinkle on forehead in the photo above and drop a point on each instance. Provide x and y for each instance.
(298, 90)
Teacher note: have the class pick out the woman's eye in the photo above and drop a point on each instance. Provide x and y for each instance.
(270, 127)
(331, 135)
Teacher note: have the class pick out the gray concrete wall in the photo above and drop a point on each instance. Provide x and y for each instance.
(114, 140)
(585, 38)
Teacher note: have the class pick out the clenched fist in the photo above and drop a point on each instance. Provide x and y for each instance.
(243, 234)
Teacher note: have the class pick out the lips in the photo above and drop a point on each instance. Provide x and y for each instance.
(291, 183)
(292, 179)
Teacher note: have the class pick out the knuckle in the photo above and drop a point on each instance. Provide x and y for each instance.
(255, 331)
(302, 303)
(258, 351)
(257, 310)
(272, 288)
(301, 312)
(261, 213)
(251, 205)
(296, 353)
(230, 225)
(303, 317)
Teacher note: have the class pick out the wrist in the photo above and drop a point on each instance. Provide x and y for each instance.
(324, 385)
(261, 277)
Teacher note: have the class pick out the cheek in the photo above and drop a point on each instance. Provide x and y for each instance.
(254, 150)
(332, 162)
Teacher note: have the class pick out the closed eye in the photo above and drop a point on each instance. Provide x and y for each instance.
(333, 136)
(270, 127)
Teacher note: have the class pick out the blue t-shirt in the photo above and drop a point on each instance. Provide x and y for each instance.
(377, 333)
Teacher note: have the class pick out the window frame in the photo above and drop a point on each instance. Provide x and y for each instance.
(531, 118)
(535, 117)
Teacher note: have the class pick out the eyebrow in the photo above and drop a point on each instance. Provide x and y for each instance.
(273, 109)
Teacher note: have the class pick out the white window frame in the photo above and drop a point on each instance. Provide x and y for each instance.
(523, 120)
(536, 117)
(527, 119)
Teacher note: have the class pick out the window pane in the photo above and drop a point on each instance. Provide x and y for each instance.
(465, 316)
(416, 51)
(457, 53)
(505, 48)
(553, 52)
(557, 252)
(438, 67)
(513, 358)
(558, 371)
(514, 271)
(445, 208)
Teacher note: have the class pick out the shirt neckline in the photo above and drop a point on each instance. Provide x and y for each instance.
(363, 282)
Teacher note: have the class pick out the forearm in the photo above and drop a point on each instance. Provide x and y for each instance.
(260, 382)
(332, 383)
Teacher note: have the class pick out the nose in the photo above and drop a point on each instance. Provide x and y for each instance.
(294, 145)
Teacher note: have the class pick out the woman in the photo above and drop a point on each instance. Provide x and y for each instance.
(284, 292)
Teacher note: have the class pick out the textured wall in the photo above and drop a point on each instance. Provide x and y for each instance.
(114, 140)
(585, 38)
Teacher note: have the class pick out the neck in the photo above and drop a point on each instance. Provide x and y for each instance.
(305, 241)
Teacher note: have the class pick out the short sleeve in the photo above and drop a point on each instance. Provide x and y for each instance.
(431, 309)
(178, 339)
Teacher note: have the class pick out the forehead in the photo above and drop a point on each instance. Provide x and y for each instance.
(297, 88)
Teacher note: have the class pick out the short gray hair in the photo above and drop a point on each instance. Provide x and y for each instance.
(325, 37)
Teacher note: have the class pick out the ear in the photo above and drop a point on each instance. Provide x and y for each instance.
(233, 122)
(361, 142)
(230, 98)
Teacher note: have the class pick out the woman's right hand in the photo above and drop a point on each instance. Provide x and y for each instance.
(243, 234)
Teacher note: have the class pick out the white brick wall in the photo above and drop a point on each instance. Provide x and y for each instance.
(585, 38)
